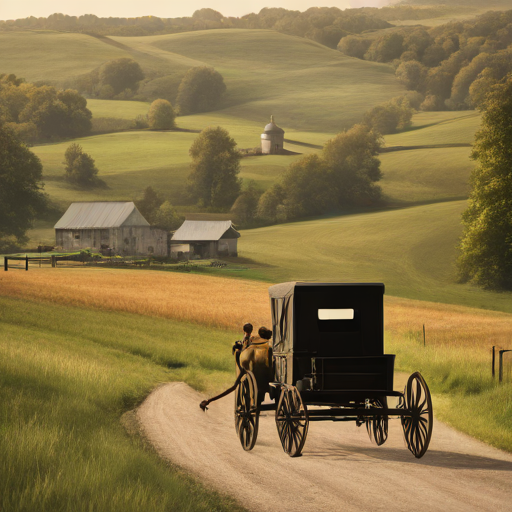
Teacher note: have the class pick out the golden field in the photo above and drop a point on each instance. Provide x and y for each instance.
(229, 303)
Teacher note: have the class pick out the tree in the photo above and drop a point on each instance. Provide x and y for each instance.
(214, 181)
(354, 46)
(80, 167)
(161, 115)
(166, 217)
(270, 205)
(412, 74)
(308, 188)
(486, 243)
(121, 74)
(351, 156)
(53, 113)
(246, 204)
(21, 196)
(200, 90)
(149, 204)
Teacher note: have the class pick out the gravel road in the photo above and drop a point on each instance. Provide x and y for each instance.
(341, 469)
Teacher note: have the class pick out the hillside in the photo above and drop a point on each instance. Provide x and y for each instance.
(411, 250)
(305, 85)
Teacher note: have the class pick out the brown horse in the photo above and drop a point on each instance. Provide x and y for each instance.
(255, 357)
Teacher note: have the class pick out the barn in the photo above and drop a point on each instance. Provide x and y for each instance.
(206, 238)
(114, 225)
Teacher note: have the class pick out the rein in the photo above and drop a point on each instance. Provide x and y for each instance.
(205, 403)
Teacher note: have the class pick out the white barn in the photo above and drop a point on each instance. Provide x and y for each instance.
(109, 225)
(206, 238)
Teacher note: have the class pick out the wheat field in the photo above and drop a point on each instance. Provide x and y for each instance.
(228, 303)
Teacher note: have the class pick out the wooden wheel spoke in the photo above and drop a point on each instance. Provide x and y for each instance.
(417, 427)
(246, 411)
(291, 420)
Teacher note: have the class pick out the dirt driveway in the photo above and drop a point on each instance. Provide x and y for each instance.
(340, 468)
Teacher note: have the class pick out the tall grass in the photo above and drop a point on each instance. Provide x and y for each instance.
(67, 375)
(465, 394)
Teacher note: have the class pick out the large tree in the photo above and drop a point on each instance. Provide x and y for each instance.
(352, 158)
(213, 181)
(200, 90)
(21, 196)
(486, 244)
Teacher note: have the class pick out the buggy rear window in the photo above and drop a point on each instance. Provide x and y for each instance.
(335, 314)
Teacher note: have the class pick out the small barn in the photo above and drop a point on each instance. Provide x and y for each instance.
(206, 238)
(114, 225)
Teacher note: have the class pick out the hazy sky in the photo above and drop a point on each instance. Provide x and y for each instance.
(12, 9)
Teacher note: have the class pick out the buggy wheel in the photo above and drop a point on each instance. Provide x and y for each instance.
(377, 426)
(246, 411)
(418, 418)
(292, 421)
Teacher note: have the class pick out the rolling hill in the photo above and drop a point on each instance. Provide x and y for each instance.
(411, 250)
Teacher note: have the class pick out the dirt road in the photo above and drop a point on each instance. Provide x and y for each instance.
(340, 468)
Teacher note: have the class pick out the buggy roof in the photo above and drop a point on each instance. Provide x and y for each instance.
(282, 290)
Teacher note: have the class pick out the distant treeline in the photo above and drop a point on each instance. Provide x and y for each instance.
(452, 65)
(326, 25)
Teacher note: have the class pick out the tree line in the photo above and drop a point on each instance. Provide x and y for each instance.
(453, 65)
(325, 25)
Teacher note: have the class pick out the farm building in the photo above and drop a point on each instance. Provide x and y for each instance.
(272, 139)
(109, 225)
(206, 238)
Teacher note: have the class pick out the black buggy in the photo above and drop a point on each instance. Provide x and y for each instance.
(329, 364)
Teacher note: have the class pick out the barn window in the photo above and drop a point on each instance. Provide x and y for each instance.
(76, 236)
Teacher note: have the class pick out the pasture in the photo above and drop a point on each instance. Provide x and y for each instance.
(412, 250)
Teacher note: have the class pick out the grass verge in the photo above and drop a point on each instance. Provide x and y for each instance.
(465, 394)
(67, 375)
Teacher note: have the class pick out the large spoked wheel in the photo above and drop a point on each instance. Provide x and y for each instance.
(292, 421)
(418, 418)
(377, 426)
(246, 411)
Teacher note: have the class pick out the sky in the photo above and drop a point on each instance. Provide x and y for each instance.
(13, 9)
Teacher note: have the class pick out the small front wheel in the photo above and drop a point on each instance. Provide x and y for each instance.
(246, 411)
(377, 426)
(292, 421)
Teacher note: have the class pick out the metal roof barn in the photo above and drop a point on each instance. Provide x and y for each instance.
(205, 231)
(93, 215)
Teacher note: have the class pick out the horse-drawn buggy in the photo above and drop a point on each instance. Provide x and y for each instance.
(326, 362)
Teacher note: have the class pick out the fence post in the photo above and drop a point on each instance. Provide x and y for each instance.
(493, 361)
(26, 262)
(424, 341)
(6, 264)
(53, 260)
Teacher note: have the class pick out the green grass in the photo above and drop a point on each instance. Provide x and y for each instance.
(118, 109)
(426, 175)
(128, 162)
(465, 395)
(67, 375)
(305, 85)
(53, 56)
(411, 250)
(440, 128)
